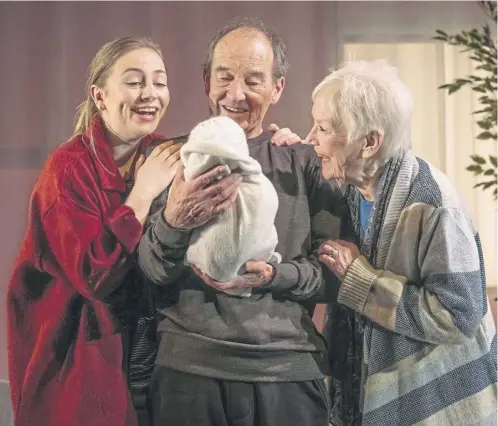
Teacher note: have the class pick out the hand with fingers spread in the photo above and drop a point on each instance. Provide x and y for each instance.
(152, 176)
(192, 204)
(283, 137)
(257, 274)
(338, 255)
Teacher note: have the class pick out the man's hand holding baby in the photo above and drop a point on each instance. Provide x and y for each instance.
(194, 203)
(258, 274)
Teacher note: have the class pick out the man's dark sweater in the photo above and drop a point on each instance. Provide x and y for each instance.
(269, 336)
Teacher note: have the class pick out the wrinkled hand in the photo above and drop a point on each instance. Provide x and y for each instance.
(194, 203)
(338, 255)
(258, 273)
(283, 137)
(154, 174)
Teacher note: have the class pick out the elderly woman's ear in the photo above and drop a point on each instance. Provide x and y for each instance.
(372, 143)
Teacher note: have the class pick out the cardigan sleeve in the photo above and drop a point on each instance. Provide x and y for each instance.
(92, 250)
(445, 305)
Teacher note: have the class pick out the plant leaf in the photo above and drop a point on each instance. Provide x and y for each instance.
(477, 170)
(486, 135)
(485, 124)
(453, 89)
(478, 159)
(486, 185)
(489, 184)
(440, 32)
(487, 109)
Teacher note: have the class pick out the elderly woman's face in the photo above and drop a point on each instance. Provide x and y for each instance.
(329, 143)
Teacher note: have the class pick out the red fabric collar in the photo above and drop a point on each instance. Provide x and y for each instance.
(100, 150)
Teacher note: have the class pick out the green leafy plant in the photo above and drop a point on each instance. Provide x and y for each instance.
(481, 47)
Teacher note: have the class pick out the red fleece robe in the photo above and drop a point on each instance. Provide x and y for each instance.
(64, 344)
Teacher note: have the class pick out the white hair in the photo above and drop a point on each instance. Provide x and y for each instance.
(366, 96)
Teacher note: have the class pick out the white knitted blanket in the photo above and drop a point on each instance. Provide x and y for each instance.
(246, 231)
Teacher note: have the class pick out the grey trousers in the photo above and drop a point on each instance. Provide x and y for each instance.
(181, 399)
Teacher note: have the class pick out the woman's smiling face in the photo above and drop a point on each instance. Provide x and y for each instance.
(135, 96)
(329, 142)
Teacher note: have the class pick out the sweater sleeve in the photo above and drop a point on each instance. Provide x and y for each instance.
(445, 305)
(304, 277)
(162, 249)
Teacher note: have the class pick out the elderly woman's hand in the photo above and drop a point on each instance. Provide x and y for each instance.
(283, 137)
(338, 255)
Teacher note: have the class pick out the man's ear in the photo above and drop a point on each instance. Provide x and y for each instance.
(207, 84)
(277, 91)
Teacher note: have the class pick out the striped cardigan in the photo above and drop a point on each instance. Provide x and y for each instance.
(429, 339)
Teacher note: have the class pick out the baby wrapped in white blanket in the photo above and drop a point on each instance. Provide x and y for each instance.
(246, 231)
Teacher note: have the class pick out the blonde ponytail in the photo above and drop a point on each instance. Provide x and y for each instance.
(84, 114)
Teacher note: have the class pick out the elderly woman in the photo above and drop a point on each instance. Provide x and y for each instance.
(411, 337)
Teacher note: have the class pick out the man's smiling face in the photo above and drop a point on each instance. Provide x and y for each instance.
(241, 84)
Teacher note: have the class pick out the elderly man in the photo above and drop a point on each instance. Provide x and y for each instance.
(257, 360)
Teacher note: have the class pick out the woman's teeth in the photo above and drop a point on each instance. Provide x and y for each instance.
(148, 111)
(236, 110)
